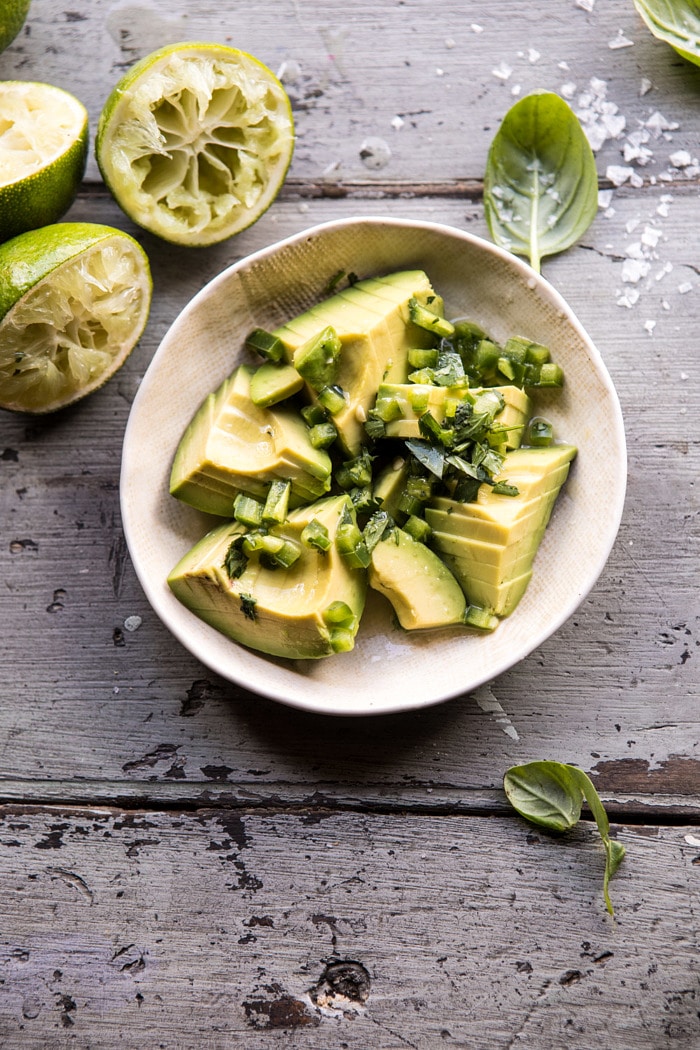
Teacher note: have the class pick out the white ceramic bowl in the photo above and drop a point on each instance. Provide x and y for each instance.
(388, 670)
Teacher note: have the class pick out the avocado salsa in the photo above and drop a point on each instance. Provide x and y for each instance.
(376, 444)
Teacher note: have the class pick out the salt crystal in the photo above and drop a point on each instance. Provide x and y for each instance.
(503, 72)
(665, 305)
(568, 90)
(563, 65)
(449, 43)
(664, 271)
(585, 5)
(634, 251)
(397, 123)
(609, 212)
(636, 180)
(649, 326)
(516, 89)
(664, 205)
(476, 28)
(596, 135)
(533, 56)
(599, 87)
(685, 287)
(680, 159)
(132, 623)
(645, 87)
(651, 236)
(629, 298)
(640, 154)
(605, 198)
(684, 376)
(631, 225)
(658, 123)
(617, 174)
(614, 124)
(620, 41)
(439, 72)
(633, 270)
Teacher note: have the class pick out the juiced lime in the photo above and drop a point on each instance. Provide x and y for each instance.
(43, 148)
(74, 300)
(195, 142)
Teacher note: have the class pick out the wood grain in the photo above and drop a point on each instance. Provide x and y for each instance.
(183, 863)
(241, 928)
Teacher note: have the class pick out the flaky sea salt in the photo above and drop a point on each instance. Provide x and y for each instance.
(618, 175)
(680, 159)
(605, 198)
(658, 124)
(568, 90)
(585, 5)
(649, 327)
(651, 236)
(685, 287)
(503, 71)
(620, 40)
(634, 269)
(645, 87)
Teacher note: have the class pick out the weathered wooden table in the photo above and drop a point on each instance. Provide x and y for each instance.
(185, 864)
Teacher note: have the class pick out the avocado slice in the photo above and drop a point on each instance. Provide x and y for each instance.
(233, 445)
(414, 399)
(422, 590)
(371, 319)
(299, 612)
(491, 544)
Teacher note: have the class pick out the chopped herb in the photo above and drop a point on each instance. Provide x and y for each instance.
(248, 603)
(235, 559)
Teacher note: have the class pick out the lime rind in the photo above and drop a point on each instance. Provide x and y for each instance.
(13, 15)
(73, 327)
(195, 142)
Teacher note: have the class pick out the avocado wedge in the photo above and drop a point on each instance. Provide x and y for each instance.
(233, 445)
(490, 544)
(309, 610)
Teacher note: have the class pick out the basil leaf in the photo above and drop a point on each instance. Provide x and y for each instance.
(676, 22)
(550, 794)
(545, 793)
(541, 184)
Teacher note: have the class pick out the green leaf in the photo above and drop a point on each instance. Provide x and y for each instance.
(676, 22)
(545, 793)
(550, 794)
(541, 184)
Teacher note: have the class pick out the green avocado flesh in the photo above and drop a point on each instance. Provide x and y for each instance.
(233, 445)
(415, 398)
(283, 612)
(371, 319)
(328, 445)
(490, 544)
(421, 588)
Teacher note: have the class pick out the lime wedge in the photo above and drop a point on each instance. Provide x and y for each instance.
(74, 300)
(13, 14)
(43, 149)
(195, 141)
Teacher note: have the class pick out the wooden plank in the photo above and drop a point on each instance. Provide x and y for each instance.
(433, 99)
(172, 929)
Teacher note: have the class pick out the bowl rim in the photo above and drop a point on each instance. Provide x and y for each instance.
(535, 281)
